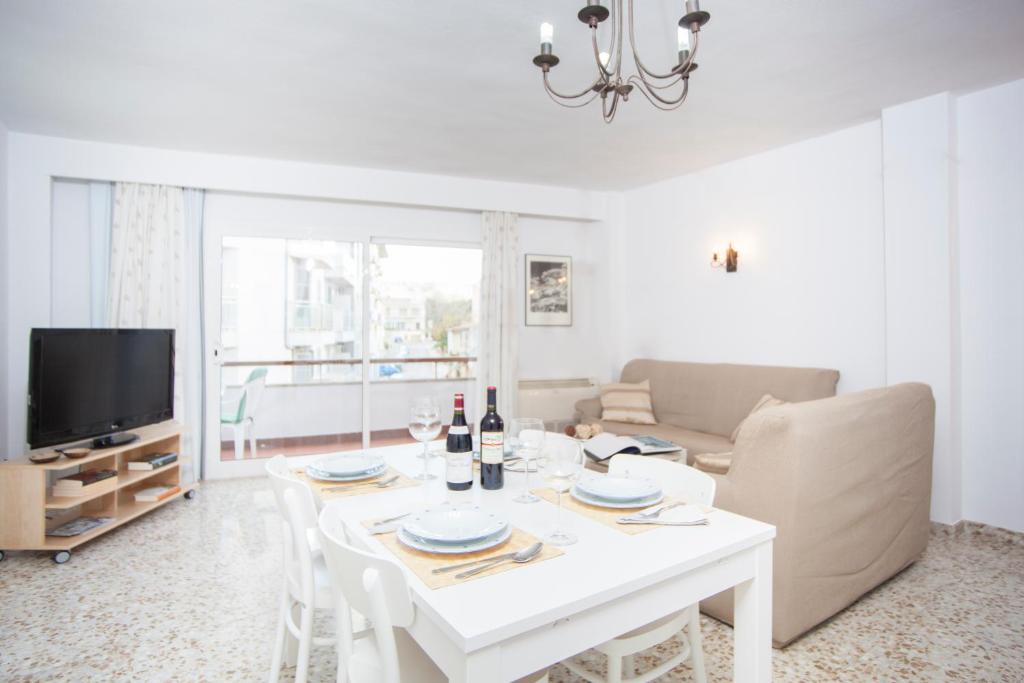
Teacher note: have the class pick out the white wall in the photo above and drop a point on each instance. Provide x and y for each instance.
(34, 161)
(918, 141)
(5, 287)
(991, 225)
(809, 290)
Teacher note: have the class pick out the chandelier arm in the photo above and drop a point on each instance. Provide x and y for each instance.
(614, 46)
(608, 112)
(642, 68)
(583, 93)
(569, 105)
(602, 70)
(658, 102)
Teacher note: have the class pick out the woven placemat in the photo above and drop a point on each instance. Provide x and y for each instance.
(422, 564)
(355, 488)
(607, 516)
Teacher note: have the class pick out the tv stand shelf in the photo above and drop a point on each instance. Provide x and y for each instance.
(28, 508)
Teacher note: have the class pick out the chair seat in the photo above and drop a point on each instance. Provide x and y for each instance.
(365, 665)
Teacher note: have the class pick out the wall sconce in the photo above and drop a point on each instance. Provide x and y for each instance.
(731, 261)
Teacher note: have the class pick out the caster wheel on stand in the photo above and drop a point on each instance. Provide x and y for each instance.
(61, 556)
(2, 555)
(190, 494)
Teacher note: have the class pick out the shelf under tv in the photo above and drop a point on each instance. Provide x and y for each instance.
(28, 508)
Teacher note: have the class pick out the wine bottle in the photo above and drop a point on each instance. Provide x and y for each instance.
(459, 447)
(492, 445)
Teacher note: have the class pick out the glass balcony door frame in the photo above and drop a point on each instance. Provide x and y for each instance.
(214, 234)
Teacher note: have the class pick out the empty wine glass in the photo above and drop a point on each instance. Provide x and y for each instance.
(526, 438)
(562, 465)
(424, 426)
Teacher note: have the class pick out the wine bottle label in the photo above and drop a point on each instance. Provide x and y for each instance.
(458, 429)
(492, 448)
(460, 467)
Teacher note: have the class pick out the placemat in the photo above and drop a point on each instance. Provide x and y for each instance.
(355, 488)
(606, 516)
(422, 564)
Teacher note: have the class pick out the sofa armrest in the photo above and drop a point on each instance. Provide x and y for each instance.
(588, 410)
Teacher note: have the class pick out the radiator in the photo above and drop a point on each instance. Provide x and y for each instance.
(554, 400)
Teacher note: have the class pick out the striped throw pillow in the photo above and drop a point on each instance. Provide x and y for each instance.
(627, 403)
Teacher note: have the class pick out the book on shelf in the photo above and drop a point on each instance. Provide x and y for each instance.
(605, 445)
(79, 484)
(153, 461)
(79, 526)
(154, 494)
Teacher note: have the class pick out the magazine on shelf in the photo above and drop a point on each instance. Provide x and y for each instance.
(152, 462)
(79, 484)
(154, 494)
(79, 526)
(605, 445)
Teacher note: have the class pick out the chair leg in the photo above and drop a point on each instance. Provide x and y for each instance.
(252, 439)
(305, 644)
(291, 643)
(279, 637)
(239, 440)
(628, 666)
(614, 669)
(700, 674)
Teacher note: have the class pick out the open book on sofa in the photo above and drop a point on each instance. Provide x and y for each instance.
(605, 445)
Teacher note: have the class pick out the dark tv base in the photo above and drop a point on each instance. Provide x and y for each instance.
(111, 440)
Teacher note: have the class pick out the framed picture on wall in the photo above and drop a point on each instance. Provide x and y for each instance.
(548, 290)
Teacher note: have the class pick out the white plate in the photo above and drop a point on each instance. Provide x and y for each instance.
(619, 489)
(450, 524)
(453, 548)
(314, 473)
(601, 502)
(348, 464)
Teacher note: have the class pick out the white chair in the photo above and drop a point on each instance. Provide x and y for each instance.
(240, 412)
(377, 587)
(693, 486)
(305, 586)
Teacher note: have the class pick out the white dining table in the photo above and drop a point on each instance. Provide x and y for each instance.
(508, 625)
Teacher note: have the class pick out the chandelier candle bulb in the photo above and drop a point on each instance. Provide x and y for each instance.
(683, 42)
(547, 35)
(604, 58)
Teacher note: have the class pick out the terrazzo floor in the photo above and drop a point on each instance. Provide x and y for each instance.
(189, 594)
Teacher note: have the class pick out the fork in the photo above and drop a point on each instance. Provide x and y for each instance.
(652, 514)
(382, 484)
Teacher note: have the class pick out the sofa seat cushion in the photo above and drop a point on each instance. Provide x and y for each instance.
(693, 442)
(713, 463)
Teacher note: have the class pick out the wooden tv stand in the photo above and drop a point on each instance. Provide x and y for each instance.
(28, 508)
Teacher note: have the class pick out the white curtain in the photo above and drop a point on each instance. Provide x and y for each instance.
(498, 359)
(147, 285)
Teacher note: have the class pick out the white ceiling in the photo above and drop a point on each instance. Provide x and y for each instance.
(448, 87)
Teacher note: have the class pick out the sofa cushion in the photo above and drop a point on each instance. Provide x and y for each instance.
(715, 397)
(767, 401)
(693, 442)
(625, 402)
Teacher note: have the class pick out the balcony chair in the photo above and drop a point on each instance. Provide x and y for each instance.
(305, 587)
(693, 486)
(240, 411)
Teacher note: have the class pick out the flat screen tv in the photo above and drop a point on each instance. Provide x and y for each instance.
(92, 382)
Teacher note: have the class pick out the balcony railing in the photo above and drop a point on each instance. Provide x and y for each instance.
(389, 369)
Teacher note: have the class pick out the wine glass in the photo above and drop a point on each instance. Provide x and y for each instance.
(526, 438)
(562, 465)
(424, 426)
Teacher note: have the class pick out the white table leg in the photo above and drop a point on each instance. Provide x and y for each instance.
(752, 636)
(479, 666)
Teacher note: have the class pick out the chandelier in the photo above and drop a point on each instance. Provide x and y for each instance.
(666, 91)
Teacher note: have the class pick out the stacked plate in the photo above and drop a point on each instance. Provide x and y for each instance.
(347, 467)
(618, 492)
(454, 529)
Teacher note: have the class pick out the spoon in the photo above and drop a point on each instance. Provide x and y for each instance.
(383, 483)
(523, 556)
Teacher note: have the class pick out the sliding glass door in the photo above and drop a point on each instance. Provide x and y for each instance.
(318, 344)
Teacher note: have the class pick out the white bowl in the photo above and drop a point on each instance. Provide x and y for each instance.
(619, 489)
(451, 524)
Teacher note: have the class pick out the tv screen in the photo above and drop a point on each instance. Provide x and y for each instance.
(85, 383)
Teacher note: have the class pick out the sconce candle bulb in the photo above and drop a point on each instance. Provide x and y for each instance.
(731, 261)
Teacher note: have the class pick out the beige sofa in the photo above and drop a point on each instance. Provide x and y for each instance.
(846, 480)
(698, 405)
